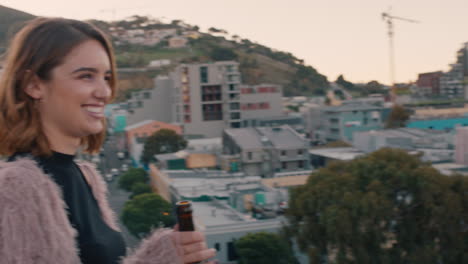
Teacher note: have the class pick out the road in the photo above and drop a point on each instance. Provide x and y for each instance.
(117, 197)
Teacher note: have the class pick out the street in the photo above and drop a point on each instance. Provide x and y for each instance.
(117, 197)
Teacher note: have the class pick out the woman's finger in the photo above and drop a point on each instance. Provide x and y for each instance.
(200, 255)
(194, 247)
(191, 237)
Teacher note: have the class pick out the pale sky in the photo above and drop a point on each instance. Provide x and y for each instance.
(334, 36)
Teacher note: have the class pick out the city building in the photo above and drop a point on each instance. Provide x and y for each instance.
(338, 123)
(228, 206)
(152, 104)
(205, 99)
(428, 84)
(178, 42)
(264, 151)
(434, 145)
(445, 124)
(453, 84)
(461, 145)
(136, 135)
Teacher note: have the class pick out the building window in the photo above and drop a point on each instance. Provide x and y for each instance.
(203, 74)
(232, 254)
(217, 246)
(249, 155)
(299, 152)
(300, 164)
(147, 95)
(211, 93)
(212, 112)
(283, 153)
(235, 115)
(284, 165)
(235, 124)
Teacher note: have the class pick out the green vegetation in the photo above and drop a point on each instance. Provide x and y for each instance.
(140, 188)
(264, 248)
(146, 212)
(258, 63)
(10, 21)
(163, 141)
(132, 177)
(398, 117)
(386, 207)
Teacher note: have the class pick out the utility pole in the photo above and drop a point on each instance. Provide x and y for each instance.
(387, 17)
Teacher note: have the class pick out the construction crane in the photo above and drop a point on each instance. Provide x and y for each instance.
(387, 17)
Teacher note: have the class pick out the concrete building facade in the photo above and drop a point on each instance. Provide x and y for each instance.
(264, 151)
(205, 99)
(340, 122)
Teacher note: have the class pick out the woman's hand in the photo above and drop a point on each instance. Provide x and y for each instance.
(192, 247)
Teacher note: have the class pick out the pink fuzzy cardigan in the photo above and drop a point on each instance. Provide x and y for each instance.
(34, 227)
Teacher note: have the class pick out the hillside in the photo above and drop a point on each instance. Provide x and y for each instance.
(258, 63)
(10, 20)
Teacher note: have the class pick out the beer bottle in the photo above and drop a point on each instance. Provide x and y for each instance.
(184, 216)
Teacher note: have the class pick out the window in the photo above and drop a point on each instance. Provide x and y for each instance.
(300, 164)
(283, 153)
(299, 152)
(249, 155)
(232, 254)
(147, 95)
(235, 115)
(217, 246)
(203, 74)
(284, 165)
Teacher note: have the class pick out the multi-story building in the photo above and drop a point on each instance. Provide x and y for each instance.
(453, 83)
(428, 84)
(151, 104)
(205, 99)
(228, 206)
(264, 151)
(336, 123)
(136, 135)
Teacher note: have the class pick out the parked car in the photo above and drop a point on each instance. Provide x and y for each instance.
(95, 159)
(120, 155)
(124, 167)
(114, 172)
(109, 177)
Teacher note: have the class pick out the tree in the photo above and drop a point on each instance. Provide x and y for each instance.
(398, 117)
(162, 141)
(264, 248)
(145, 212)
(386, 207)
(131, 177)
(223, 54)
(347, 85)
(140, 188)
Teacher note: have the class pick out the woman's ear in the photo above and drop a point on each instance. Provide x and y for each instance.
(34, 88)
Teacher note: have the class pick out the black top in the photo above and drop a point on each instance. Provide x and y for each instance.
(98, 243)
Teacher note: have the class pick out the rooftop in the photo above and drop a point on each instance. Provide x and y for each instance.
(337, 153)
(282, 137)
(352, 107)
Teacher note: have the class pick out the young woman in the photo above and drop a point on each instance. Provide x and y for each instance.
(58, 76)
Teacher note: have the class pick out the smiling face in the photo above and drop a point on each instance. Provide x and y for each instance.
(71, 102)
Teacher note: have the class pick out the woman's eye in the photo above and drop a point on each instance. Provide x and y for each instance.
(107, 78)
(86, 76)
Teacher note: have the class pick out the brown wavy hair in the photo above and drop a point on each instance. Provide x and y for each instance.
(39, 47)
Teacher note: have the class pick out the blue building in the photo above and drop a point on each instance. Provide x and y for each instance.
(439, 123)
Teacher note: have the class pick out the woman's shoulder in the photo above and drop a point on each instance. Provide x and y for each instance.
(23, 175)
